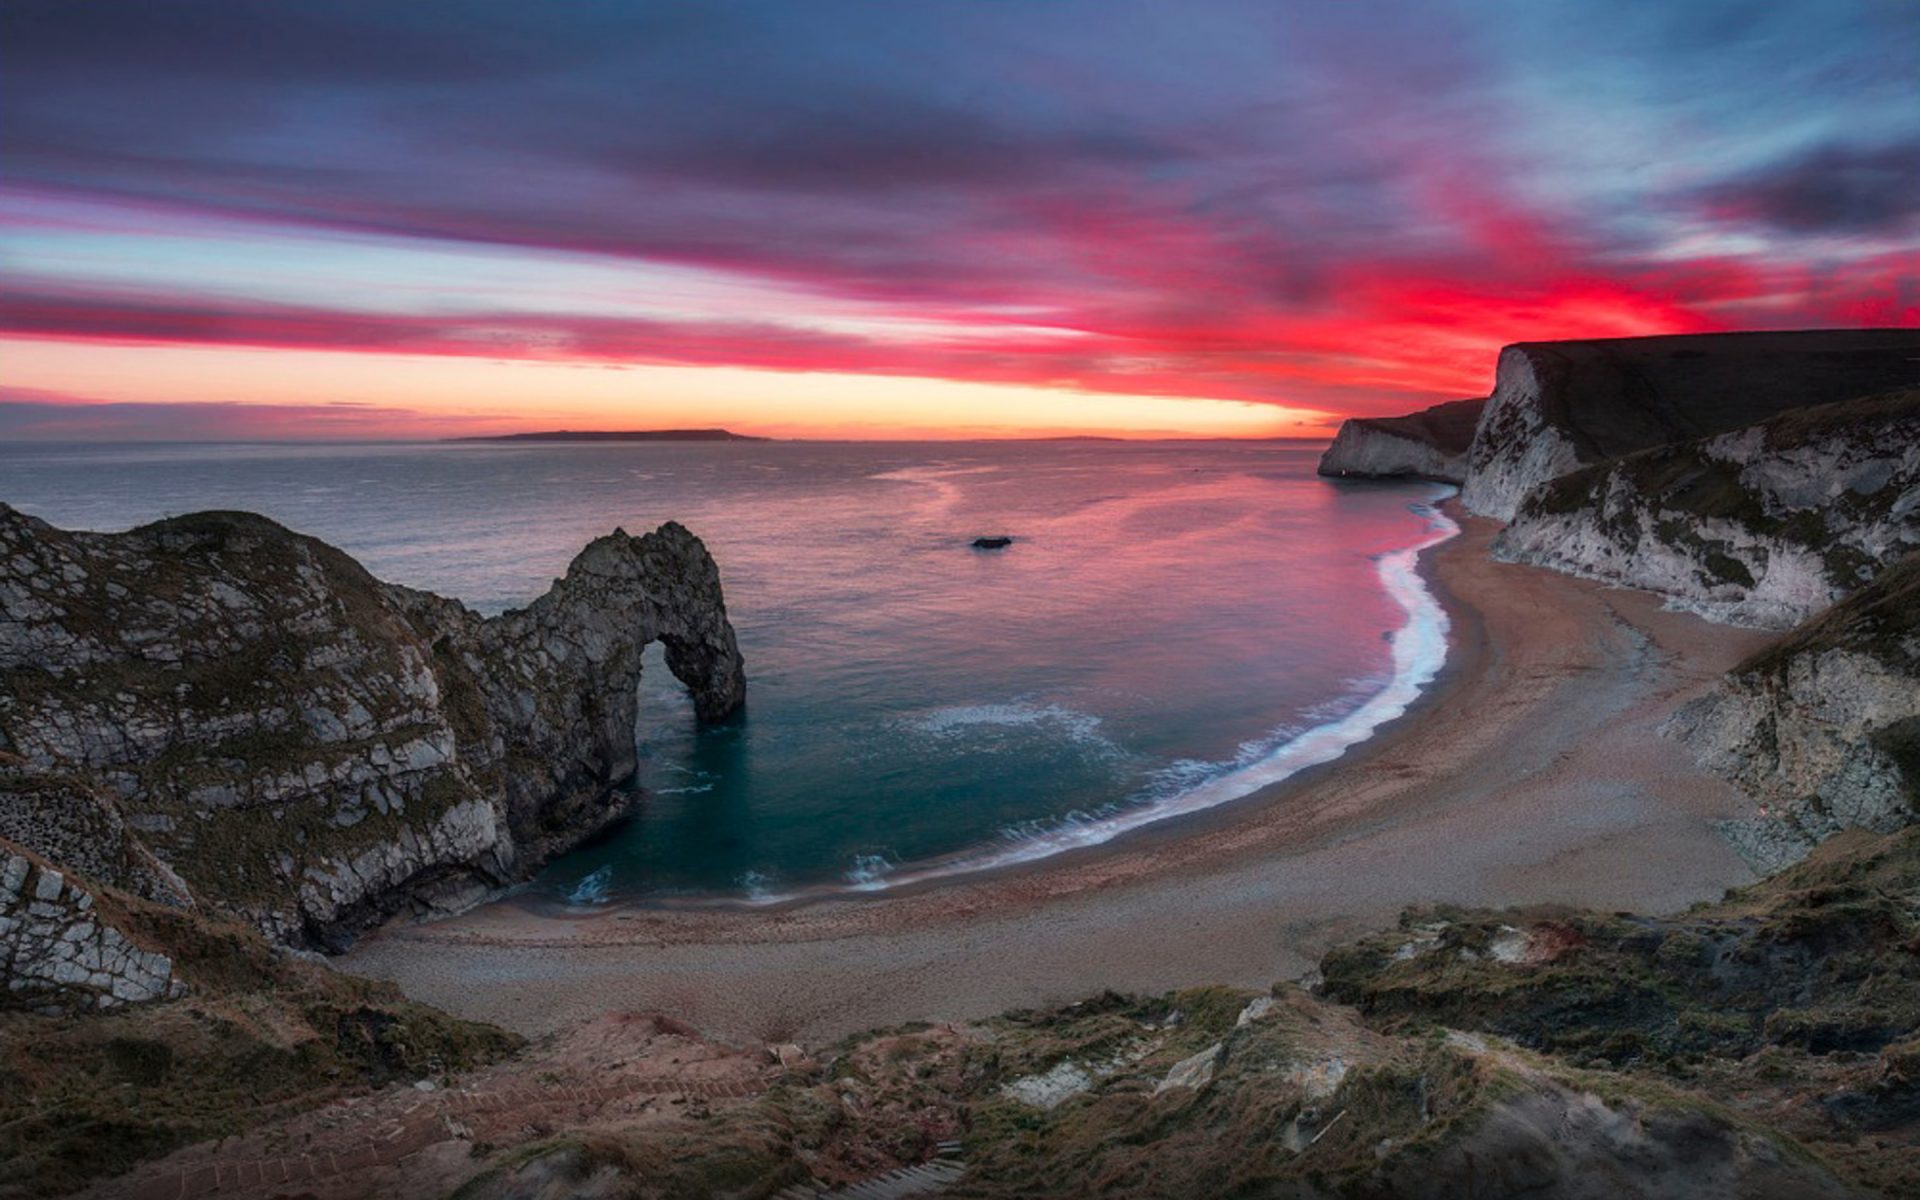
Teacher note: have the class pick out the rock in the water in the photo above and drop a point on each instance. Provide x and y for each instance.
(1429, 444)
(309, 747)
(996, 542)
(1557, 406)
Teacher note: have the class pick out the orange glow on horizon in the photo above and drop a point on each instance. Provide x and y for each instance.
(397, 396)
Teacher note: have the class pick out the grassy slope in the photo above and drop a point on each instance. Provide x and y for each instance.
(1774, 1029)
(260, 1035)
(1448, 427)
(1778, 1024)
(1616, 396)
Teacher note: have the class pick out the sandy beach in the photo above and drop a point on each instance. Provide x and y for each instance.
(1531, 772)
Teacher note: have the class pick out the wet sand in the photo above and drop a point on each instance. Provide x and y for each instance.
(1531, 772)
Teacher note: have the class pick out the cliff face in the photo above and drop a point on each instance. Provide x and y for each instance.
(296, 742)
(1755, 479)
(1559, 405)
(1822, 728)
(1429, 444)
(1765, 525)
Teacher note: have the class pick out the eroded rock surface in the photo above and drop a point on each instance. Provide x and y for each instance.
(59, 950)
(1823, 728)
(311, 748)
(1764, 525)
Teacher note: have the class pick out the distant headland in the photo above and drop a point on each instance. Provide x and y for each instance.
(617, 435)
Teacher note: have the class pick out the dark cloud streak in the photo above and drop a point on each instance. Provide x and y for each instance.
(1834, 188)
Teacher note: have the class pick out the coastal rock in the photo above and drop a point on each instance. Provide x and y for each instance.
(1194, 1072)
(245, 713)
(1557, 406)
(69, 822)
(1822, 728)
(59, 949)
(1764, 525)
(1429, 444)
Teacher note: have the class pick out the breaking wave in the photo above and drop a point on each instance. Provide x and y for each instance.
(595, 888)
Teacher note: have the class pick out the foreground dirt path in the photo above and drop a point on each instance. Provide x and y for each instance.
(1532, 773)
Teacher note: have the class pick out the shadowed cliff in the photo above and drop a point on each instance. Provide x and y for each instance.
(1559, 405)
(313, 749)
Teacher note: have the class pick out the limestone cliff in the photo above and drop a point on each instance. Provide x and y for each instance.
(311, 748)
(1557, 406)
(1765, 525)
(61, 949)
(1822, 728)
(1429, 444)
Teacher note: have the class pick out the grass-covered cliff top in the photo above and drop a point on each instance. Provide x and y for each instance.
(1446, 427)
(1761, 1045)
(1618, 395)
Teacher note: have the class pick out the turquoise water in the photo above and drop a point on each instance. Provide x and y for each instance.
(1174, 625)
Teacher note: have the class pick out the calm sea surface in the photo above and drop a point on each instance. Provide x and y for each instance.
(1175, 625)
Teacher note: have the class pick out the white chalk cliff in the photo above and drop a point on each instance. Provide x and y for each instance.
(1430, 444)
(1557, 406)
(1762, 526)
(1770, 480)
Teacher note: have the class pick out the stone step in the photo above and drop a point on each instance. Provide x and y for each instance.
(926, 1179)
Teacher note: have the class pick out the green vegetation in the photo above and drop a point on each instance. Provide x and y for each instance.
(259, 1036)
(1677, 489)
(1777, 1030)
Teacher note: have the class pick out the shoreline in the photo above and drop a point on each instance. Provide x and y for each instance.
(1527, 771)
(1418, 677)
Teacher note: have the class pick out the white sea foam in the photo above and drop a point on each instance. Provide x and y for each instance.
(595, 888)
(869, 872)
(938, 477)
(1419, 650)
(1076, 726)
(758, 885)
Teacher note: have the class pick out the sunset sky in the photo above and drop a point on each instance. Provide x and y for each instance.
(253, 219)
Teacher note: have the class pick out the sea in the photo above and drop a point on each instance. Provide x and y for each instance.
(1174, 626)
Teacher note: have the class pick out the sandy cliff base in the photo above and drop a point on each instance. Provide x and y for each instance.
(1532, 773)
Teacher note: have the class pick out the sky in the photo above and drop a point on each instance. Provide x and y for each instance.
(911, 218)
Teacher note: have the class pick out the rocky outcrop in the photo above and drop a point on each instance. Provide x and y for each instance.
(1557, 406)
(1822, 728)
(1765, 525)
(72, 823)
(313, 749)
(59, 950)
(1795, 1002)
(1429, 444)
